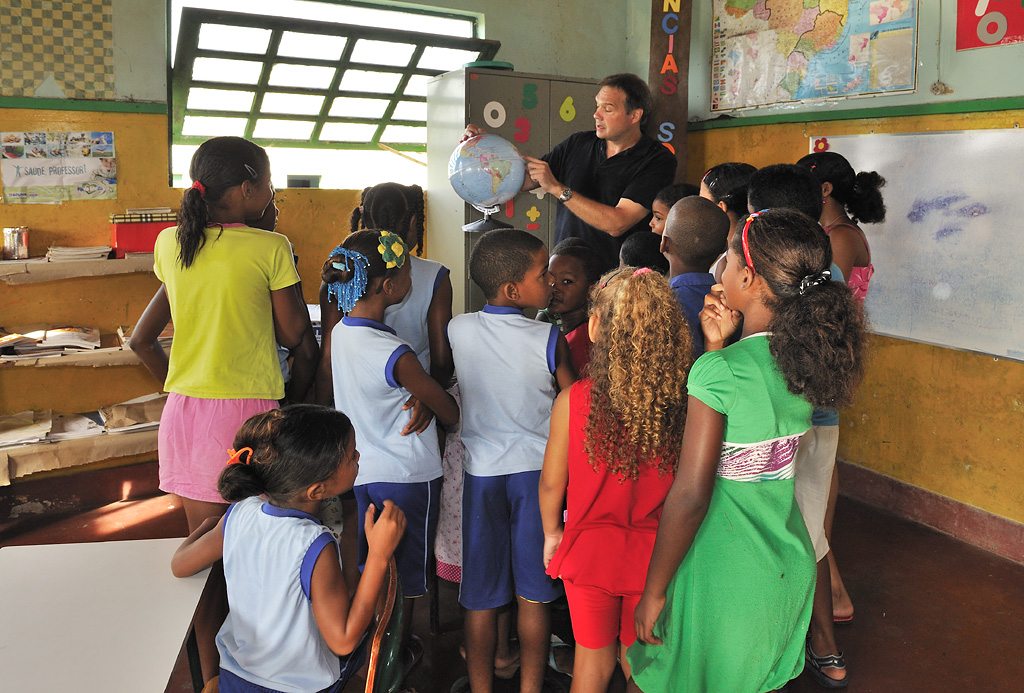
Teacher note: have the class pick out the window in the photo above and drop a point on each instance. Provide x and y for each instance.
(325, 79)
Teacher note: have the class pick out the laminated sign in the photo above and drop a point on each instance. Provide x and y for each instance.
(54, 167)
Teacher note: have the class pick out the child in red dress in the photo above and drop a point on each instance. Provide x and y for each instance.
(615, 436)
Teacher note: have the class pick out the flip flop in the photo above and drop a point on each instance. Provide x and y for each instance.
(509, 670)
(506, 672)
(842, 619)
(815, 664)
(415, 650)
(556, 642)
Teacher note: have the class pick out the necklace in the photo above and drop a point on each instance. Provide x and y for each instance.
(835, 219)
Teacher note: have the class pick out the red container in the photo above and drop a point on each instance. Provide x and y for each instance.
(135, 237)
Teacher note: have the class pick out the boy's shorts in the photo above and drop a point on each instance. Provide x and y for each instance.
(420, 502)
(600, 618)
(503, 542)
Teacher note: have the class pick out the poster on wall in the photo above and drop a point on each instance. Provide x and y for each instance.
(55, 167)
(767, 53)
(984, 23)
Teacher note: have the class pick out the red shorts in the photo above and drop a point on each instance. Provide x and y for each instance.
(600, 618)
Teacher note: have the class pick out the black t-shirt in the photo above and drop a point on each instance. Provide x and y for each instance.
(637, 174)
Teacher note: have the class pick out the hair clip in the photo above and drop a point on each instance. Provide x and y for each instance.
(347, 293)
(643, 270)
(196, 185)
(252, 171)
(814, 280)
(392, 249)
(746, 242)
(236, 456)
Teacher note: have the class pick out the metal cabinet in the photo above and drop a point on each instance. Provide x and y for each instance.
(534, 112)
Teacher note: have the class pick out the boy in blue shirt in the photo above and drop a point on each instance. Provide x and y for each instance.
(695, 234)
(509, 369)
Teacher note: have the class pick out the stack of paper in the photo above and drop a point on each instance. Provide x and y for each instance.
(71, 426)
(9, 340)
(139, 414)
(65, 253)
(24, 428)
(59, 340)
(164, 338)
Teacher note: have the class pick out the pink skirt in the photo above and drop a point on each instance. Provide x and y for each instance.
(195, 435)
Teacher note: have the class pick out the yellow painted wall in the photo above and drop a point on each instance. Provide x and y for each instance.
(948, 421)
(314, 220)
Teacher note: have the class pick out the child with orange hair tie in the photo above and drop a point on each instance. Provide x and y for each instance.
(612, 449)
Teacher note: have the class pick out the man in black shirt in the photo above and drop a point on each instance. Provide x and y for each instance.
(605, 178)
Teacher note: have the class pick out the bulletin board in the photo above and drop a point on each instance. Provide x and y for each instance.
(947, 256)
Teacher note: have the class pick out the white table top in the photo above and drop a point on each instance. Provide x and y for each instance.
(104, 616)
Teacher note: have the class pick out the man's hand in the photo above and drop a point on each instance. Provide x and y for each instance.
(540, 173)
(472, 131)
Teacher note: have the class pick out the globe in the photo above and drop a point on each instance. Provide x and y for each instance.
(486, 171)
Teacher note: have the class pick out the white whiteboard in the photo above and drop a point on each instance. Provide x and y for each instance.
(949, 258)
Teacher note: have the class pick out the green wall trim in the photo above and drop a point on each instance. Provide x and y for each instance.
(982, 105)
(81, 105)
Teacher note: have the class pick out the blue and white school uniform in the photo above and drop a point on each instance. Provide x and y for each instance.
(270, 639)
(403, 469)
(409, 317)
(505, 364)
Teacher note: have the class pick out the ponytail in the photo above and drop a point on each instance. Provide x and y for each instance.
(728, 183)
(217, 166)
(357, 212)
(817, 329)
(866, 203)
(363, 257)
(291, 449)
(393, 207)
(860, 194)
(414, 199)
(817, 340)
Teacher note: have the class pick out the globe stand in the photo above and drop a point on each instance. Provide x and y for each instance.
(487, 223)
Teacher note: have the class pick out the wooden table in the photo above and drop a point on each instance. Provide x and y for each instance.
(102, 616)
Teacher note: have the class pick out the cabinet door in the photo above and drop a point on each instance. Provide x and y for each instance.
(517, 109)
(572, 110)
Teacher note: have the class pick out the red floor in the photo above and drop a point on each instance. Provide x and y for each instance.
(932, 613)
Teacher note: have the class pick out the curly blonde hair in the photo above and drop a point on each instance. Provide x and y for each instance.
(638, 368)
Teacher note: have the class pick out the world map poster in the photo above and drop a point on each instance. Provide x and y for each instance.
(777, 51)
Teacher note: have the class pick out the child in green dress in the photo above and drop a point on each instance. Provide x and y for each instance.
(727, 600)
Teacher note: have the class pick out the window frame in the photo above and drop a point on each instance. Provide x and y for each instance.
(187, 51)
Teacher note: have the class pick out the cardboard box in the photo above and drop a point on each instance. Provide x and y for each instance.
(135, 237)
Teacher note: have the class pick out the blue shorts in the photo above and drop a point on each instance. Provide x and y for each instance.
(503, 542)
(415, 553)
(231, 682)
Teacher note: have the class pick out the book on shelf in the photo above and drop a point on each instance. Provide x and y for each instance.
(141, 215)
(57, 339)
(59, 253)
(13, 339)
(149, 210)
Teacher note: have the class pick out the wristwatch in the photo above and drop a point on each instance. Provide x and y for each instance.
(566, 195)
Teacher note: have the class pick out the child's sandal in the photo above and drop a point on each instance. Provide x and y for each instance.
(815, 664)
